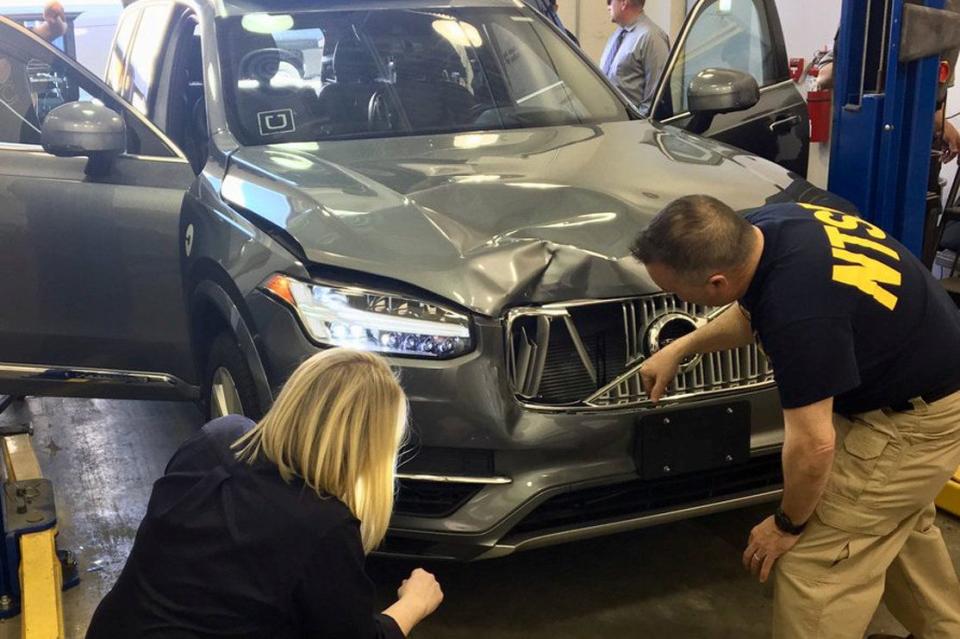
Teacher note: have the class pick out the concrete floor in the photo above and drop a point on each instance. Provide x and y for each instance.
(679, 581)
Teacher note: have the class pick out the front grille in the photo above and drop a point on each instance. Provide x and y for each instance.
(637, 498)
(588, 355)
(432, 499)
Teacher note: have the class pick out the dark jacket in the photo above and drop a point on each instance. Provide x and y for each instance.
(548, 8)
(227, 549)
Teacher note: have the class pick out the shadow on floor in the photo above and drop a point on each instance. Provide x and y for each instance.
(677, 579)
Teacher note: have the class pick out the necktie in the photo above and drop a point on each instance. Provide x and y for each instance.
(613, 52)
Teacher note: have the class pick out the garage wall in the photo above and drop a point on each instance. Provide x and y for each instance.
(808, 26)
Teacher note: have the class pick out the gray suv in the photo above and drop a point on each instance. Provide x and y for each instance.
(451, 184)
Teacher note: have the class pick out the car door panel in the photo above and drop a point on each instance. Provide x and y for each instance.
(773, 129)
(93, 264)
(745, 35)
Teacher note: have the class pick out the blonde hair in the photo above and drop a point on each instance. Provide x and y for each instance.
(337, 424)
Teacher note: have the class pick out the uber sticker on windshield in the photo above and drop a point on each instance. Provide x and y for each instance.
(274, 122)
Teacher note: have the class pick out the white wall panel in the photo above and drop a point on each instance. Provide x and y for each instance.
(808, 25)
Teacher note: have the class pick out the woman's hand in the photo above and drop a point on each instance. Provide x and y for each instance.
(422, 588)
(419, 595)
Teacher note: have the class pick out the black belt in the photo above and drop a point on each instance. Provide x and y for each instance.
(928, 398)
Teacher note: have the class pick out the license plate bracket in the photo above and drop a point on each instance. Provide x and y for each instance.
(692, 440)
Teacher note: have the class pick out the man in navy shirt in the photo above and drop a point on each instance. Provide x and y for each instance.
(549, 8)
(865, 347)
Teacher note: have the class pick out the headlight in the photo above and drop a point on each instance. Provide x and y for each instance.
(343, 316)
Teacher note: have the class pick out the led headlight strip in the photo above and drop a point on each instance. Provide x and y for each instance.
(386, 323)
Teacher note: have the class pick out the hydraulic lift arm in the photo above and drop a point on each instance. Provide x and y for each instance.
(41, 578)
(887, 67)
(32, 571)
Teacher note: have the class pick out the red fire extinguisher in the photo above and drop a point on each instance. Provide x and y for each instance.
(818, 104)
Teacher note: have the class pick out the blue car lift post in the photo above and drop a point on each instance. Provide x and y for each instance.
(887, 70)
(32, 571)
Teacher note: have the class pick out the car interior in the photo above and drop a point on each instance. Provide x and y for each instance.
(360, 89)
(389, 71)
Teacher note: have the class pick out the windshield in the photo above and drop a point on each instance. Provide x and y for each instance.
(385, 72)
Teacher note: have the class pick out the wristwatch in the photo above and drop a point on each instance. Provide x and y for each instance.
(785, 524)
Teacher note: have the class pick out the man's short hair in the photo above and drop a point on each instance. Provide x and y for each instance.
(693, 235)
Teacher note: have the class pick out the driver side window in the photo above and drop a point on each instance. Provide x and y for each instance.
(34, 80)
(32, 83)
(727, 34)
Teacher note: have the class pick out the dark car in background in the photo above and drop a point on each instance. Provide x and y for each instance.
(451, 184)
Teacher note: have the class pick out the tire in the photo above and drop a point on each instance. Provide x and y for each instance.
(228, 386)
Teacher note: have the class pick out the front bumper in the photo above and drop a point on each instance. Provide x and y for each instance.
(535, 478)
(597, 508)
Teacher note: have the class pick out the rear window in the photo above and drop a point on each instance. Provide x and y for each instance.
(379, 73)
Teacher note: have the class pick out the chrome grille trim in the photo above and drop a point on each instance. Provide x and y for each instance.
(456, 479)
(712, 374)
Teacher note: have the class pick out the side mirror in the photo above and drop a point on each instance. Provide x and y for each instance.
(716, 91)
(85, 129)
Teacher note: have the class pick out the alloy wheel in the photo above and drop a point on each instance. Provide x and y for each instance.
(224, 397)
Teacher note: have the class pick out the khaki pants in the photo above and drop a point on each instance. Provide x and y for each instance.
(873, 535)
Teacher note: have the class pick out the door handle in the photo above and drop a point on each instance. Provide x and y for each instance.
(784, 123)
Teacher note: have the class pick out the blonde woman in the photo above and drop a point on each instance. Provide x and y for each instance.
(261, 530)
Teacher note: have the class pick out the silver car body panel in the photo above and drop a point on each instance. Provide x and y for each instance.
(95, 381)
(510, 545)
(493, 220)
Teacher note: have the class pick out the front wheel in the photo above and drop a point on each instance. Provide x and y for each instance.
(229, 388)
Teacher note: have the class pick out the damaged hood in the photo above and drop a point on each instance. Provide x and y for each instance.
(495, 220)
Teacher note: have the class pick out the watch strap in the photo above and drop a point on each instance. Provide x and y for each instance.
(785, 524)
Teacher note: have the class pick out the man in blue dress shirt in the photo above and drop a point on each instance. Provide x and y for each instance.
(636, 53)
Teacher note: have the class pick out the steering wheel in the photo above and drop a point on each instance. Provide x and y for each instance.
(381, 111)
(263, 64)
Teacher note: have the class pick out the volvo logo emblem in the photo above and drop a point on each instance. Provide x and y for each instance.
(668, 328)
